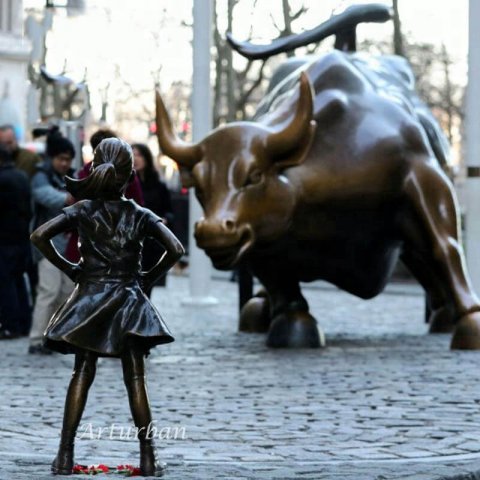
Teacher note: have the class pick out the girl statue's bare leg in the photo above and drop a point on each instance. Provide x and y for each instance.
(134, 378)
(82, 378)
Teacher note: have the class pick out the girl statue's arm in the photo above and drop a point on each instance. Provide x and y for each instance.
(173, 247)
(41, 238)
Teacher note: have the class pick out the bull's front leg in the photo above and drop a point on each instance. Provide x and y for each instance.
(255, 314)
(291, 325)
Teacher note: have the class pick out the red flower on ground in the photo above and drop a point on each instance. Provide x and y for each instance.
(80, 469)
(127, 470)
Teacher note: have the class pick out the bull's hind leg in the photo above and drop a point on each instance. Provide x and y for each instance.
(434, 253)
(292, 326)
(442, 312)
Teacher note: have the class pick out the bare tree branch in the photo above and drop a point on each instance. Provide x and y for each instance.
(235, 87)
(275, 24)
(246, 95)
(302, 10)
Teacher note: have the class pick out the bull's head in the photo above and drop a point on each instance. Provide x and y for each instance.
(238, 175)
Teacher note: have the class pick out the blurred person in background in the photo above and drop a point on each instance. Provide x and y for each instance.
(15, 252)
(26, 161)
(157, 199)
(23, 159)
(133, 191)
(50, 197)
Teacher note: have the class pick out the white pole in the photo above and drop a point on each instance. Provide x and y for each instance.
(472, 132)
(200, 267)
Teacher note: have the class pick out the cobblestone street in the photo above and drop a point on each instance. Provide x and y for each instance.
(383, 401)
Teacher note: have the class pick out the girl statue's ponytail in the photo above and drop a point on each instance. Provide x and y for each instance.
(111, 170)
(100, 181)
(104, 175)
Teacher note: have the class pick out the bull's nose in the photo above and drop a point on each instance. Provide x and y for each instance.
(200, 227)
(210, 232)
(200, 224)
(226, 225)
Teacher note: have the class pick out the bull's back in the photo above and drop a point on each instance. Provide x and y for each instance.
(350, 184)
(364, 141)
(362, 104)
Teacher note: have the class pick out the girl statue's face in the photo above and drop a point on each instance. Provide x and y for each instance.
(138, 160)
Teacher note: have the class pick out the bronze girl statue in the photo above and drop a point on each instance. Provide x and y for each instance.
(107, 314)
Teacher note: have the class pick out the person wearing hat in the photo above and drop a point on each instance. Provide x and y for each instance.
(50, 196)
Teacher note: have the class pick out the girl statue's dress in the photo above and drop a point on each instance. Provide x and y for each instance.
(107, 315)
(108, 304)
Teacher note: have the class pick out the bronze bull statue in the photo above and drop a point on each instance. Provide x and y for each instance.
(336, 179)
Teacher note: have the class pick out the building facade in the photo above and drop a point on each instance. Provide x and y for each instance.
(14, 59)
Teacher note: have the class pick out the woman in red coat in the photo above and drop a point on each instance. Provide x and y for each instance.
(157, 199)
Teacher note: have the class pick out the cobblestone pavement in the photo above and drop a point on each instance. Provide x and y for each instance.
(383, 401)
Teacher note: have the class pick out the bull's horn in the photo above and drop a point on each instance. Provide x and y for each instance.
(184, 153)
(287, 139)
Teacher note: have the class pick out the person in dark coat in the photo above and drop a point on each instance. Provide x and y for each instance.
(156, 197)
(108, 314)
(15, 253)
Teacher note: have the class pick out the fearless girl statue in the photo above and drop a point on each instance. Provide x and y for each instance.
(107, 315)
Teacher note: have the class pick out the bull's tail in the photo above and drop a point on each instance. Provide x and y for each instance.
(343, 26)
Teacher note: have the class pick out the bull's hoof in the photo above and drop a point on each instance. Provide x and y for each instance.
(295, 330)
(255, 315)
(467, 333)
(442, 320)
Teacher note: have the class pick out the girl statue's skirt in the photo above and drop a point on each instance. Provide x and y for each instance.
(104, 316)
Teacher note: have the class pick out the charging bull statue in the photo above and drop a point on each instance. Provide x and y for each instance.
(337, 178)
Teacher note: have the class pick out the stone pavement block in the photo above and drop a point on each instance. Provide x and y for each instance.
(383, 401)
(467, 476)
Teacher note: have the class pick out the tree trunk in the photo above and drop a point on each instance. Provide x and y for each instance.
(217, 95)
(397, 31)
(449, 108)
(230, 87)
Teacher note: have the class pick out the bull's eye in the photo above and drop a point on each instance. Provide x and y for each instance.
(254, 177)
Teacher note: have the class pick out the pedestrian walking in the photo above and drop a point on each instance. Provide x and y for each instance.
(50, 196)
(15, 253)
(157, 198)
(23, 159)
(108, 314)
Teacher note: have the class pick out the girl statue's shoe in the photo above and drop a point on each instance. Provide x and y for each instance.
(149, 466)
(63, 462)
